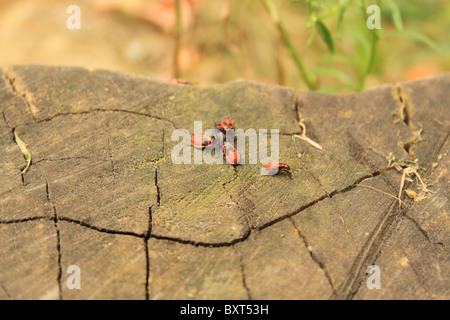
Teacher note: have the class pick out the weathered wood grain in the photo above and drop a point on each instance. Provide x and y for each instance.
(102, 192)
(185, 271)
(29, 261)
(104, 273)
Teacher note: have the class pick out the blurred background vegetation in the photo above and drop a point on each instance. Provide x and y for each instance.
(305, 44)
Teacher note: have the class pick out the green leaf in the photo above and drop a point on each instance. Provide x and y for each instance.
(340, 18)
(362, 51)
(396, 15)
(418, 37)
(366, 43)
(311, 37)
(325, 35)
(342, 7)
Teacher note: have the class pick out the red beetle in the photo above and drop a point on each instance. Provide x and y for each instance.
(179, 81)
(277, 166)
(232, 155)
(200, 141)
(226, 124)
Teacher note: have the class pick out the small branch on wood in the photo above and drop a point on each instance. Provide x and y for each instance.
(304, 137)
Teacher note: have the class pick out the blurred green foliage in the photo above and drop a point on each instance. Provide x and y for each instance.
(328, 19)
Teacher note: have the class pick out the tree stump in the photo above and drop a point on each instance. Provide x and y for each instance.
(102, 193)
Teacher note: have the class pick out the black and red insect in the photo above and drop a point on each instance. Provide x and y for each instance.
(277, 166)
(200, 141)
(226, 124)
(232, 155)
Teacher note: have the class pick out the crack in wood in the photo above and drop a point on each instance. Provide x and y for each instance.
(150, 223)
(406, 112)
(379, 254)
(23, 94)
(373, 244)
(147, 270)
(244, 212)
(242, 268)
(111, 160)
(422, 231)
(435, 153)
(336, 209)
(158, 191)
(314, 257)
(147, 254)
(289, 134)
(58, 236)
(103, 230)
(163, 139)
(247, 219)
(6, 121)
(62, 114)
(5, 222)
(406, 115)
(418, 277)
(64, 159)
(373, 262)
(208, 244)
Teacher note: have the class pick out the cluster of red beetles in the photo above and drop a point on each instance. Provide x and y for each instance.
(232, 155)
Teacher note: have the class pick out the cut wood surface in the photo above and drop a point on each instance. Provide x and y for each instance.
(102, 192)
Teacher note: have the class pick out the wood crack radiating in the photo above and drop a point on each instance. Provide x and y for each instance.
(19, 92)
(209, 244)
(63, 114)
(314, 257)
(372, 244)
(58, 236)
(242, 268)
